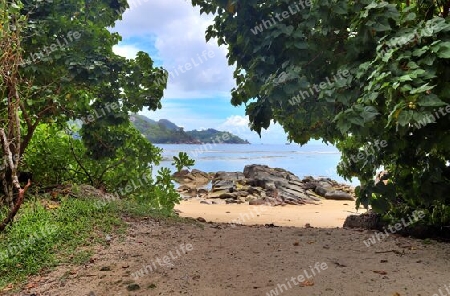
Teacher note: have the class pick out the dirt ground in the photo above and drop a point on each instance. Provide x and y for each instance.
(223, 259)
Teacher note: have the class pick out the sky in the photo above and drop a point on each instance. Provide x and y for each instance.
(198, 95)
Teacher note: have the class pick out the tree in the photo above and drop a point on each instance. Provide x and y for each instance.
(355, 74)
(10, 135)
(63, 68)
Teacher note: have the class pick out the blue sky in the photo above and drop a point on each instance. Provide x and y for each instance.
(198, 93)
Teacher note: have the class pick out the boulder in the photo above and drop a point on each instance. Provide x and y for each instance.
(368, 220)
(322, 191)
(338, 195)
(226, 181)
(195, 177)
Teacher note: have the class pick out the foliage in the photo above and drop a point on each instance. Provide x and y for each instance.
(163, 196)
(69, 72)
(11, 26)
(182, 160)
(42, 238)
(397, 59)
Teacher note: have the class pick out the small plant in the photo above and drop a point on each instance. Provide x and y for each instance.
(182, 161)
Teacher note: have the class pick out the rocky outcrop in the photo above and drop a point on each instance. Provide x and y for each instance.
(194, 177)
(259, 184)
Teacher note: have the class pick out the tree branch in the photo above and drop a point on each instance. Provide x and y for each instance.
(16, 208)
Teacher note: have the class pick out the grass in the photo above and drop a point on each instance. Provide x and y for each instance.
(41, 239)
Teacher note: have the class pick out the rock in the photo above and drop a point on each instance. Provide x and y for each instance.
(195, 177)
(185, 187)
(204, 202)
(202, 191)
(322, 191)
(180, 174)
(227, 181)
(231, 201)
(261, 184)
(368, 220)
(201, 219)
(292, 201)
(105, 268)
(242, 193)
(228, 195)
(338, 195)
(257, 202)
(217, 194)
(255, 190)
(133, 287)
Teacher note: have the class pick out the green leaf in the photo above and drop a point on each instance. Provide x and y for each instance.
(422, 89)
(405, 117)
(430, 101)
(444, 51)
(369, 113)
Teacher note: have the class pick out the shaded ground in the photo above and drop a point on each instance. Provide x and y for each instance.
(252, 260)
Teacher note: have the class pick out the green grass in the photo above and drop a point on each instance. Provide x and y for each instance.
(41, 239)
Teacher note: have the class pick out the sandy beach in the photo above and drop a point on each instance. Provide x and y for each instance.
(326, 214)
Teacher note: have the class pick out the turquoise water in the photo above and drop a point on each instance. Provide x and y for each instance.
(309, 160)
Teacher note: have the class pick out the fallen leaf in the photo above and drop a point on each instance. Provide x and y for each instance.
(306, 284)
(380, 272)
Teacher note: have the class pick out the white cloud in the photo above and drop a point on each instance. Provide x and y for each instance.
(178, 33)
(238, 125)
(235, 121)
(127, 51)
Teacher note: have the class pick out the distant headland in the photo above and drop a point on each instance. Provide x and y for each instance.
(167, 132)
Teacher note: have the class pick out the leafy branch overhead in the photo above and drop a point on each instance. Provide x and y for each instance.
(397, 55)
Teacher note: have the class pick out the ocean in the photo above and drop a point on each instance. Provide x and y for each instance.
(309, 160)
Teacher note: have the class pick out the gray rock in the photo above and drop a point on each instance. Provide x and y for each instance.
(338, 195)
(322, 191)
(260, 184)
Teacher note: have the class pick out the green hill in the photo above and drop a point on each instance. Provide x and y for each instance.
(211, 135)
(166, 132)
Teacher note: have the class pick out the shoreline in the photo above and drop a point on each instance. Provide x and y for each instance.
(324, 214)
